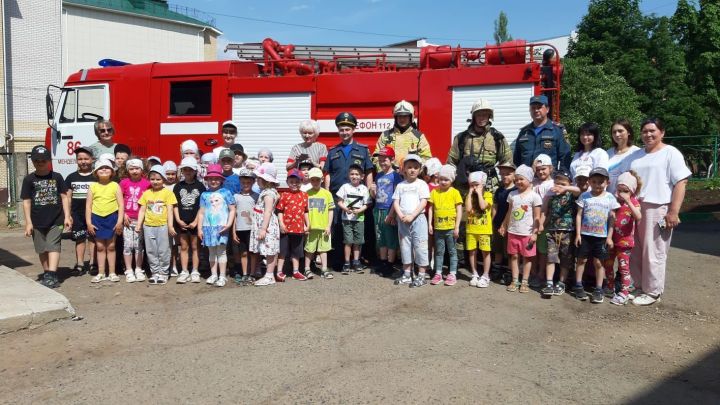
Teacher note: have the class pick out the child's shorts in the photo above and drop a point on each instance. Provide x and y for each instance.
(386, 236)
(47, 239)
(542, 243)
(593, 246)
(518, 245)
(188, 231)
(353, 232)
(132, 240)
(477, 241)
(79, 232)
(244, 244)
(105, 226)
(559, 247)
(317, 241)
(291, 244)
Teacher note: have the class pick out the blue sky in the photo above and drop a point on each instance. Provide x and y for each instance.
(463, 22)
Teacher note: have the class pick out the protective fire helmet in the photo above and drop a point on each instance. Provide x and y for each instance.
(403, 107)
(482, 104)
(345, 118)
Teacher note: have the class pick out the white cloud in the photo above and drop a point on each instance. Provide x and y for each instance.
(299, 7)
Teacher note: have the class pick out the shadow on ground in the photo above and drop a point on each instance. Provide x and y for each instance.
(11, 260)
(693, 236)
(699, 384)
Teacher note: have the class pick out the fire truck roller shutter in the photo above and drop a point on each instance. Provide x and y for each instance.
(270, 121)
(509, 102)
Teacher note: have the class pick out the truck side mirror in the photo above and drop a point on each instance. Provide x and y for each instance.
(49, 106)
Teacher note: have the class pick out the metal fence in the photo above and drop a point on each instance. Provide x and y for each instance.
(13, 168)
(700, 151)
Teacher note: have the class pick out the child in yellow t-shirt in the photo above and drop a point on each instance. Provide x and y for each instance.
(478, 231)
(444, 214)
(155, 219)
(104, 214)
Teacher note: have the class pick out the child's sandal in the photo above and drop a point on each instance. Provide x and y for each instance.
(524, 287)
(513, 286)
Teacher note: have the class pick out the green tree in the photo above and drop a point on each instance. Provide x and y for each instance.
(501, 33)
(590, 94)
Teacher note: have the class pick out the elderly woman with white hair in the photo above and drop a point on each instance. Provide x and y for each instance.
(309, 149)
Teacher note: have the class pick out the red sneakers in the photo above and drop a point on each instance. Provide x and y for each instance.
(280, 277)
(299, 276)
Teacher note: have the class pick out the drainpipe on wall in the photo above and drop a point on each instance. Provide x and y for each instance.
(201, 47)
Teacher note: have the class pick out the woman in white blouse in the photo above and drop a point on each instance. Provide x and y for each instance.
(664, 176)
(623, 140)
(589, 149)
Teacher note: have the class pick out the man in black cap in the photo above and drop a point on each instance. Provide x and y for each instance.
(542, 135)
(340, 158)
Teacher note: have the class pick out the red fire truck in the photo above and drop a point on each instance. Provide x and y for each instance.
(272, 87)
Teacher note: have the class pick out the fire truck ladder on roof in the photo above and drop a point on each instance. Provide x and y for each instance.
(348, 55)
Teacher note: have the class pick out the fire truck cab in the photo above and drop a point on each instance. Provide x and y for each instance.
(156, 106)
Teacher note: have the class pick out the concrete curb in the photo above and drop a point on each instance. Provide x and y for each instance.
(25, 303)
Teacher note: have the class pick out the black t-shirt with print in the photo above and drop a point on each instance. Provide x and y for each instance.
(79, 185)
(188, 197)
(44, 195)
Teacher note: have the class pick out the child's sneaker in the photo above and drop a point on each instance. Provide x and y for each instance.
(263, 281)
(113, 277)
(437, 279)
(221, 281)
(403, 279)
(98, 278)
(183, 278)
(140, 275)
(239, 278)
(619, 299)
(513, 286)
(346, 269)
(157, 279)
(450, 280)
(524, 287)
(358, 268)
(474, 280)
(195, 277)
(280, 277)
(173, 272)
(597, 296)
(130, 276)
(609, 292)
(420, 281)
(212, 279)
(559, 288)
(50, 280)
(298, 276)
(548, 290)
(483, 282)
(579, 293)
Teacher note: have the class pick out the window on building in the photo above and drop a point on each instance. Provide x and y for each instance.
(70, 107)
(190, 98)
(91, 104)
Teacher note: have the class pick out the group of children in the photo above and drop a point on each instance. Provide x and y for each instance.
(209, 207)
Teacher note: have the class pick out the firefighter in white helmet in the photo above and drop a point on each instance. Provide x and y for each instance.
(404, 137)
(479, 148)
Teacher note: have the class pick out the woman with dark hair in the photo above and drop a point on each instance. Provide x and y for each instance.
(623, 140)
(589, 149)
(664, 177)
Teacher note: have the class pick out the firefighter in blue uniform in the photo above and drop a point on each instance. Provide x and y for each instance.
(542, 136)
(340, 157)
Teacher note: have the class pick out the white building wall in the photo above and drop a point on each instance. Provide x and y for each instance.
(32, 29)
(94, 34)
